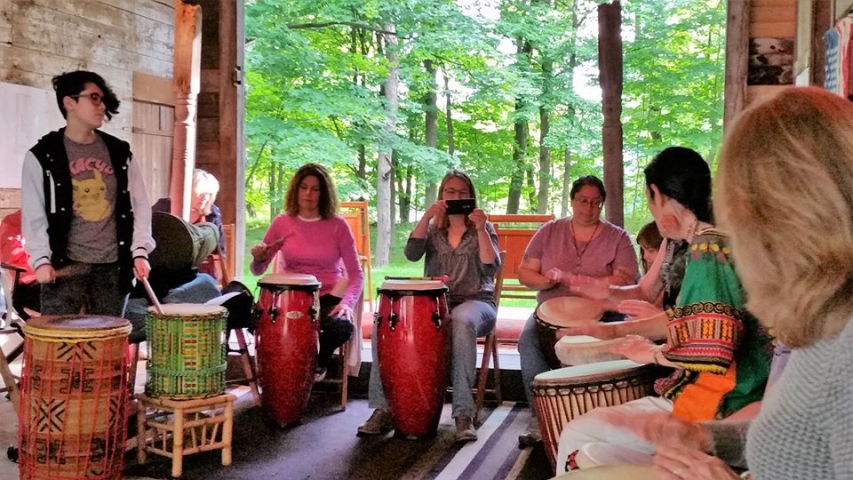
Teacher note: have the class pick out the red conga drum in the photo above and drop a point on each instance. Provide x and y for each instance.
(287, 340)
(413, 345)
(74, 398)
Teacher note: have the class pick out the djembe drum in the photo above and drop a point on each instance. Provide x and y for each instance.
(561, 395)
(413, 346)
(561, 312)
(186, 351)
(74, 397)
(287, 338)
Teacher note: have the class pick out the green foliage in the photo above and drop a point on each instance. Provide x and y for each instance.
(315, 72)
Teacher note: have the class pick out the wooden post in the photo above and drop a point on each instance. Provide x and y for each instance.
(187, 80)
(737, 59)
(610, 63)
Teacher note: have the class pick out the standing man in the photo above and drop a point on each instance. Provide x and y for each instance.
(86, 217)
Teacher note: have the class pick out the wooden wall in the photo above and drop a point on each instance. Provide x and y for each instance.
(770, 19)
(220, 148)
(42, 38)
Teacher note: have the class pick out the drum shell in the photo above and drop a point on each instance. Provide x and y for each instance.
(186, 351)
(558, 400)
(181, 245)
(562, 312)
(413, 357)
(287, 337)
(74, 397)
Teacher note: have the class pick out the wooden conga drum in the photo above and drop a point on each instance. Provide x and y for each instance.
(413, 346)
(562, 312)
(74, 397)
(287, 342)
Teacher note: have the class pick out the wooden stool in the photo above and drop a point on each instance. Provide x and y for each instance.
(195, 422)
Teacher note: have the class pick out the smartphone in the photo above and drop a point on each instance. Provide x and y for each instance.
(460, 207)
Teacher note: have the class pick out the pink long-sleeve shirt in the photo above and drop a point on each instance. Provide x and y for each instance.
(324, 248)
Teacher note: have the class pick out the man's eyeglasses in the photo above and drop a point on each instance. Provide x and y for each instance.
(96, 98)
(453, 191)
(586, 202)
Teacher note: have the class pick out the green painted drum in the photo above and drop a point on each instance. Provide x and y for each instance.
(186, 351)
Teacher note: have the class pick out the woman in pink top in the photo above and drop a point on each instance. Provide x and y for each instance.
(313, 239)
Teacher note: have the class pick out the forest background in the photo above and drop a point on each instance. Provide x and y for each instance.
(390, 94)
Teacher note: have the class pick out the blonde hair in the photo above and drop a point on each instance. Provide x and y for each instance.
(204, 182)
(785, 194)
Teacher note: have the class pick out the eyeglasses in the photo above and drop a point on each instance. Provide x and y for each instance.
(453, 191)
(96, 98)
(586, 202)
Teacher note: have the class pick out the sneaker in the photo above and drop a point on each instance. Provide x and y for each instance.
(465, 429)
(319, 374)
(378, 423)
(532, 436)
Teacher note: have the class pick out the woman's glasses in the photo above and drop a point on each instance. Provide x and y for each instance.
(453, 191)
(589, 202)
(96, 98)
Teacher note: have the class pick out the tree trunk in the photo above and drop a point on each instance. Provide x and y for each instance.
(610, 68)
(542, 202)
(519, 147)
(431, 127)
(385, 167)
(530, 173)
(404, 193)
(567, 183)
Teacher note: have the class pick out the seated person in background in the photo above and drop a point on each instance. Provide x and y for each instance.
(793, 247)
(26, 293)
(313, 239)
(720, 354)
(582, 244)
(202, 209)
(192, 283)
(649, 239)
(465, 250)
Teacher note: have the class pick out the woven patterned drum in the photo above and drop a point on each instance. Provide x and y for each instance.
(186, 351)
(561, 395)
(73, 398)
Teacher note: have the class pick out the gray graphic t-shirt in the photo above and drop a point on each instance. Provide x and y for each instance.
(93, 237)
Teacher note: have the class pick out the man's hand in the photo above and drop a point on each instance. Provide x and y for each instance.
(45, 274)
(141, 268)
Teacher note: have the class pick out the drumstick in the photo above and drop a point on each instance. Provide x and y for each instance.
(153, 297)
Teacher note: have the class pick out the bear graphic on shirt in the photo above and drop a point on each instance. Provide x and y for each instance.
(90, 198)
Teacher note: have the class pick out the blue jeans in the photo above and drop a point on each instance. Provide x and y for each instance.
(533, 361)
(468, 320)
(199, 290)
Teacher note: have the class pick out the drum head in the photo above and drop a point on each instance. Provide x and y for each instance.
(414, 285)
(287, 279)
(78, 322)
(585, 373)
(569, 311)
(76, 329)
(188, 310)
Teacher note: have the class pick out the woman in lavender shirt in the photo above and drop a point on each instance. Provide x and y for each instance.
(582, 244)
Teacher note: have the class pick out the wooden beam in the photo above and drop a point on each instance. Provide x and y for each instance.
(187, 78)
(737, 59)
